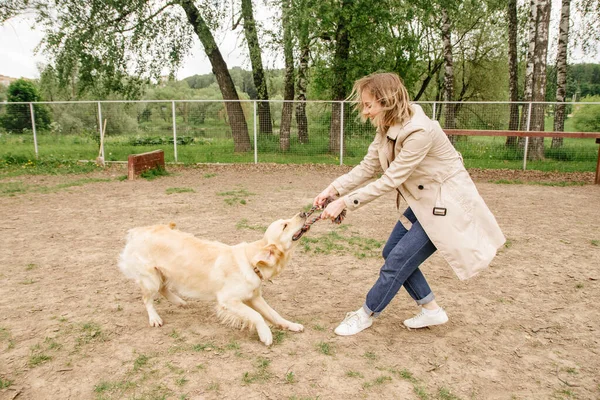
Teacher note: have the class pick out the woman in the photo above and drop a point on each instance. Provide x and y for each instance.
(445, 209)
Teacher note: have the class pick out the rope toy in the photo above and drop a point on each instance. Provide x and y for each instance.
(337, 220)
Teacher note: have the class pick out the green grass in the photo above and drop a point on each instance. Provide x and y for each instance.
(354, 374)
(337, 242)
(179, 190)
(325, 348)
(236, 196)
(478, 151)
(290, 377)
(377, 382)
(15, 188)
(4, 383)
(244, 224)
(260, 374)
(519, 182)
(154, 173)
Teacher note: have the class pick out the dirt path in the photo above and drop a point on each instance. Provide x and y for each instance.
(73, 327)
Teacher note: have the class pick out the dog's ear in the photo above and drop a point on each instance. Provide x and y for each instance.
(268, 256)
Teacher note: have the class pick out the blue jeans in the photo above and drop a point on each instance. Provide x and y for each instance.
(403, 253)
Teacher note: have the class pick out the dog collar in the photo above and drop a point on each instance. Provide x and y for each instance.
(259, 273)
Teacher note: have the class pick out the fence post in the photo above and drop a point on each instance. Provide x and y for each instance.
(174, 130)
(255, 139)
(342, 133)
(32, 112)
(100, 129)
(527, 138)
(433, 111)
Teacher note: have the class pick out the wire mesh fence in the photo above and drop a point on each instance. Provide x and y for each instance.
(210, 131)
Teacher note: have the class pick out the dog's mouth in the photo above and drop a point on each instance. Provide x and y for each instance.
(304, 228)
(299, 234)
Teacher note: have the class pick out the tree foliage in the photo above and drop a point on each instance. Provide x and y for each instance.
(17, 117)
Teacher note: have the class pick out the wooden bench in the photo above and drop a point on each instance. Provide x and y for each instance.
(138, 163)
(576, 135)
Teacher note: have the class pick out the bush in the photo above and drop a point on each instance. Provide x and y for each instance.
(586, 117)
(18, 116)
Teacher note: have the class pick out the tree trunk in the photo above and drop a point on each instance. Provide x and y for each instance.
(340, 68)
(561, 72)
(264, 110)
(237, 121)
(302, 82)
(513, 77)
(536, 145)
(288, 85)
(528, 84)
(450, 121)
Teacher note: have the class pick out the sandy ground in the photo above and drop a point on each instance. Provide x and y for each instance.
(73, 327)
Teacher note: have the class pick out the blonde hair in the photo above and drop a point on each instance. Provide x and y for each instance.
(389, 91)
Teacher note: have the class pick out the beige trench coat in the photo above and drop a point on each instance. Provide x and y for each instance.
(419, 161)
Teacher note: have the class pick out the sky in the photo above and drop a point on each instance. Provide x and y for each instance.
(19, 38)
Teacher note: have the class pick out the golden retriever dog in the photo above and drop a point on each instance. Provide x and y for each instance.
(164, 260)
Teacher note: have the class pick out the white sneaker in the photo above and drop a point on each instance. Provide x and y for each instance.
(427, 318)
(354, 322)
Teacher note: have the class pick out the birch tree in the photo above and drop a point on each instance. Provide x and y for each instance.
(449, 122)
(288, 90)
(561, 71)
(535, 80)
(513, 75)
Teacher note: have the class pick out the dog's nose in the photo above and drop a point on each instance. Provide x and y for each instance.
(302, 214)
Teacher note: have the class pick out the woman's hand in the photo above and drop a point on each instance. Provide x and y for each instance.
(328, 192)
(334, 209)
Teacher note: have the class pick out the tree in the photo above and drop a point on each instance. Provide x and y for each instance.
(535, 79)
(17, 117)
(288, 94)
(264, 111)
(124, 43)
(513, 76)
(561, 71)
(448, 72)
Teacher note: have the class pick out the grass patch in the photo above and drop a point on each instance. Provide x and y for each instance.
(369, 355)
(377, 382)
(260, 374)
(539, 183)
(279, 336)
(180, 190)
(418, 386)
(325, 348)
(243, 224)
(4, 383)
(29, 267)
(154, 173)
(595, 243)
(290, 378)
(90, 332)
(207, 347)
(106, 386)
(335, 242)
(15, 188)
(445, 394)
(209, 175)
(140, 362)
(354, 374)
(36, 359)
(236, 196)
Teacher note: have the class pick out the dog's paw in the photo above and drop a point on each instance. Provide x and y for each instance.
(265, 335)
(295, 327)
(156, 321)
